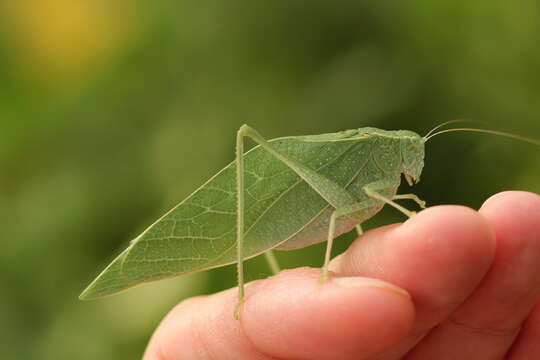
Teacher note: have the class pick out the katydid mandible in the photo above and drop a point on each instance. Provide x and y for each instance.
(283, 194)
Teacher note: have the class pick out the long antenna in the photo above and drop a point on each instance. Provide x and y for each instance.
(486, 131)
(444, 124)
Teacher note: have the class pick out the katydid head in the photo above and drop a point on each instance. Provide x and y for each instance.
(412, 152)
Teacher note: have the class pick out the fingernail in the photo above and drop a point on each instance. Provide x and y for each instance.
(368, 282)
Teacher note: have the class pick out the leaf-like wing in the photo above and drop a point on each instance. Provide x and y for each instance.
(200, 232)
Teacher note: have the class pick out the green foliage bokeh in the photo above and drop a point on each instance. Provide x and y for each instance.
(111, 113)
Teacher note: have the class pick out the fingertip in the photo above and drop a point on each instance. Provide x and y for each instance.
(453, 230)
(514, 216)
(446, 218)
(513, 212)
(514, 197)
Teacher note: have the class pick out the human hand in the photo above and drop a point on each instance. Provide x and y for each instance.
(449, 283)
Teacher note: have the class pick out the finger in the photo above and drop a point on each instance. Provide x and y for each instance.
(288, 316)
(527, 344)
(487, 323)
(439, 256)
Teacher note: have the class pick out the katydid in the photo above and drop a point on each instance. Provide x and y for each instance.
(283, 194)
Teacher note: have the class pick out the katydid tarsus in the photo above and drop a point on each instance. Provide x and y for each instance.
(283, 194)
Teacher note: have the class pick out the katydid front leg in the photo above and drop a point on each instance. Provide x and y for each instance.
(412, 197)
(372, 190)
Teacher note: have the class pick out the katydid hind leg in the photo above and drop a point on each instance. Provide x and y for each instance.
(373, 191)
(240, 220)
(333, 193)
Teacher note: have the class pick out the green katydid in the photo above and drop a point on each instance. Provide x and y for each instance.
(283, 194)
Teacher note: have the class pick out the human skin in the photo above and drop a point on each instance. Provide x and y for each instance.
(449, 283)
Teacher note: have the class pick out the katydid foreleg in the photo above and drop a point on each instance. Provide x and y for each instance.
(371, 190)
(412, 197)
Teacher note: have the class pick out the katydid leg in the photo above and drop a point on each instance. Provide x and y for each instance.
(344, 211)
(412, 197)
(371, 190)
(272, 261)
(332, 192)
(240, 219)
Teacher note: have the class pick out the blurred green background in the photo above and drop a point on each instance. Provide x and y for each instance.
(111, 112)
